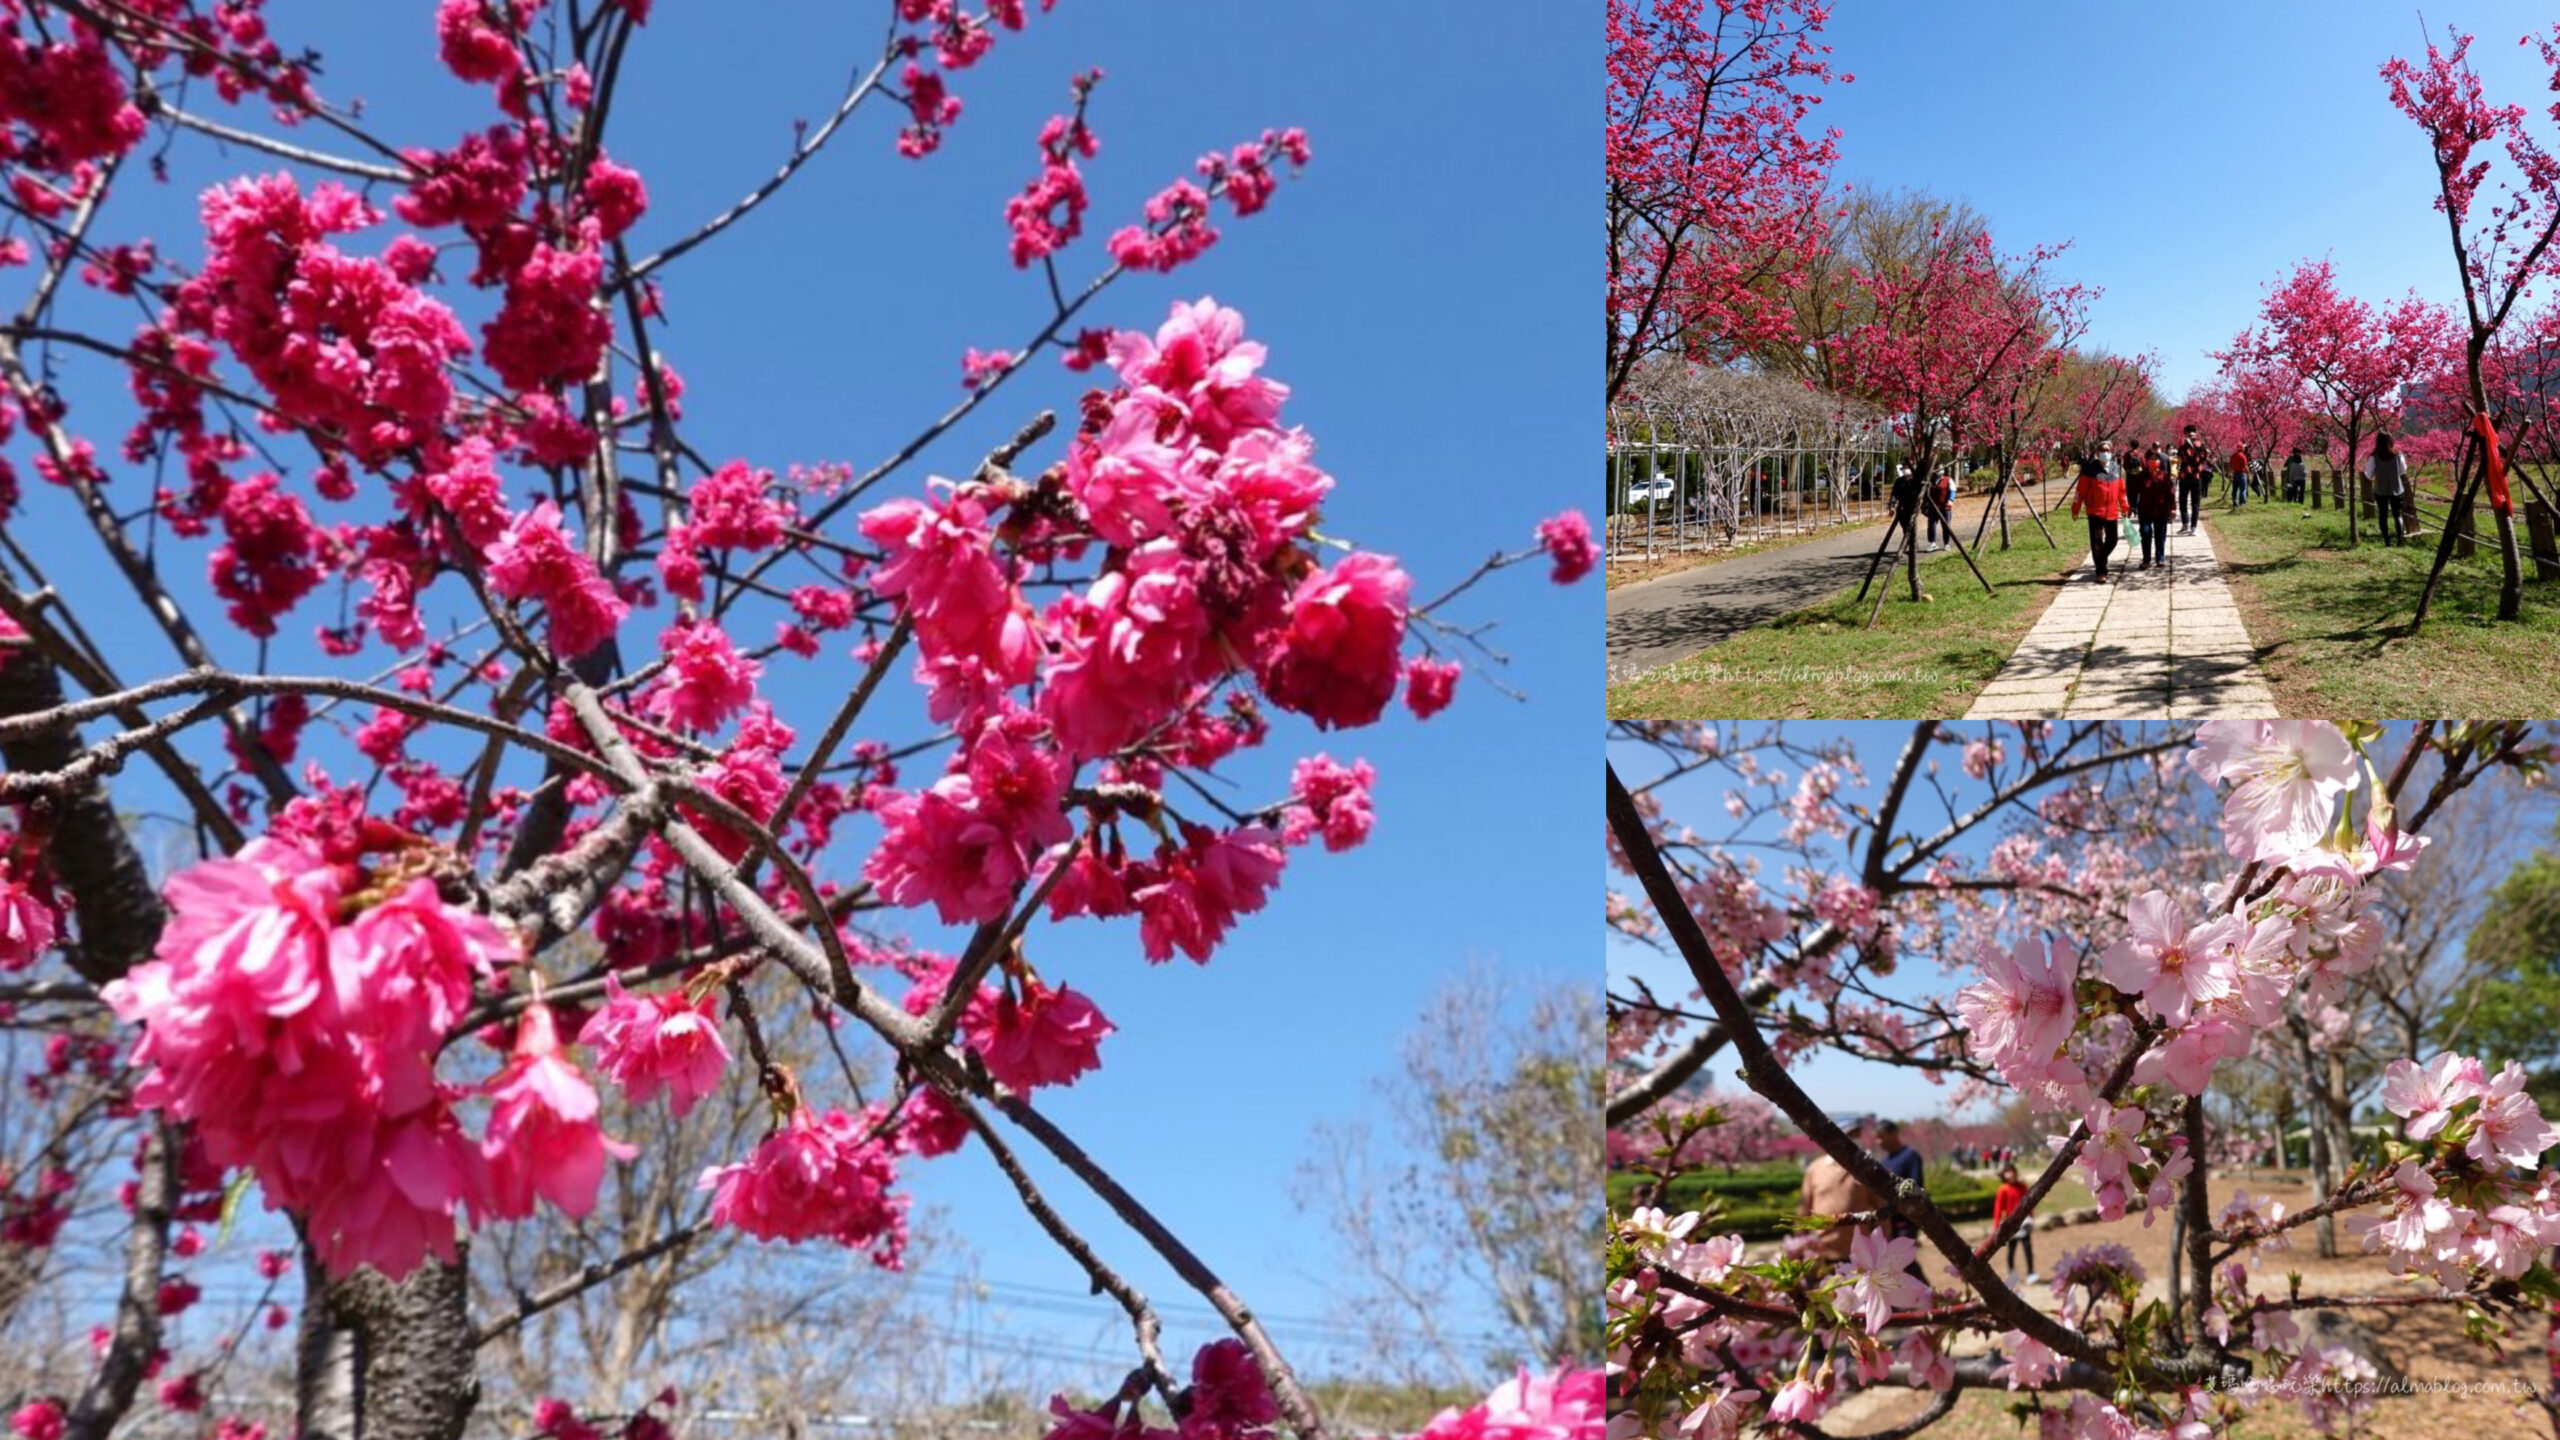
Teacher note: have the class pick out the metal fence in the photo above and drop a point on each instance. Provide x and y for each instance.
(1705, 459)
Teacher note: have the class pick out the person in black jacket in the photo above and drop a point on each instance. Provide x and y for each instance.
(2195, 471)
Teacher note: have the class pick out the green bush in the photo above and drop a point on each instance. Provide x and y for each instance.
(1757, 1204)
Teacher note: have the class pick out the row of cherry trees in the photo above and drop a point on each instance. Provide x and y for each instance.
(1728, 243)
(2127, 916)
(2472, 385)
(587, 821)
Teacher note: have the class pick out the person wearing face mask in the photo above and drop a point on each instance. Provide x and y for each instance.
(2195, 469)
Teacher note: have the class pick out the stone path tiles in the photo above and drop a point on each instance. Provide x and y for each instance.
(2161, 643)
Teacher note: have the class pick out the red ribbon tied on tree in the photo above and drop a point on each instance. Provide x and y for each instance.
(2497, 464)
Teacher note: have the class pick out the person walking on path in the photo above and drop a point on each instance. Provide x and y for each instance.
(2195, 470)
(2296, 479)
(2155, 499)
(1831, 1192)
(2003, 1201)
(2390, 472)
(2101, 497)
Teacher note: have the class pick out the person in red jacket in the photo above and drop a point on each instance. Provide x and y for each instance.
(2101, 497)
(2154, 497)
(2004, 1200)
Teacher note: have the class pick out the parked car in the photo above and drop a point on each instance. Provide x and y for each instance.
(1649, 492)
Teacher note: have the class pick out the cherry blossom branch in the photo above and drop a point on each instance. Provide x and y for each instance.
(808, 148)
(135, 1335)
(1143, 1322)
(586, 1278)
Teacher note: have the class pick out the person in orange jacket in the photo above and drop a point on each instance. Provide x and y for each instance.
(2240, 476)
(2004, 1200)
(2101, 497)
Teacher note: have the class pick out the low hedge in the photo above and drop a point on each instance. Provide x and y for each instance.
(1762, 1215)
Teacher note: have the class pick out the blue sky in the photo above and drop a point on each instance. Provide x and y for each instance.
(1420, 287)
(2193, 151)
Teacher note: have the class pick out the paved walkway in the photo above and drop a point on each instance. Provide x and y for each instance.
(2166, 642)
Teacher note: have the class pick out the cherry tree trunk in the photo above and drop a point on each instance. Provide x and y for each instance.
(384, 1361)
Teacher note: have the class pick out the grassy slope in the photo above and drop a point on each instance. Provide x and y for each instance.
(2331, 623)
(1921, 660)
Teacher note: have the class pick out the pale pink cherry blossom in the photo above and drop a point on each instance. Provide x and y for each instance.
(2030, 1365)
(543, 1139)
(1878, 1283)
(2426, 1098)
(2290, 772)
(2507, 1239)
(1655, 1234)
(2022, 1009)
(1928, 1366)
(2170, 966)
(1719, 1416)
(2186, 1056)
(2511, 1127)
(657, 1042)
(2163, 1187)
(2115, 1144)
(1713, 1258)
(1800, 1401)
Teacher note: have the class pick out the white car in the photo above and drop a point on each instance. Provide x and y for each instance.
(1655, 490)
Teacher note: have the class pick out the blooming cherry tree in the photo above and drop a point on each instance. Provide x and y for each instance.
(2106, 1002)
(550, 782)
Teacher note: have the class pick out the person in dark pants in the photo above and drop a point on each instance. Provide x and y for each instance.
(2101, 497)
(2295, 478)
(2155, 499)
(1903, 1163)
(2195, 471)
(2390, 487)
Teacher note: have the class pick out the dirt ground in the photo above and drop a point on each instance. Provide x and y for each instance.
(2483, 1400)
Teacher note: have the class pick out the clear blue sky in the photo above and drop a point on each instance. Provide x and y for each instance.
(2192, 150)
(1426, 289)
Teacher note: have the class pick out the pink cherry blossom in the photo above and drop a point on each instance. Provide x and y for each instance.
(1429, 686)
(821, 1176)
(1555, 1405)
(1336, 662)
(1229, 1396)
(27, 924)
(654, 1042)
(707, 680)
(1330, 799)
(1190, 895)
(1041, 1037)
(536, 561)
(1566, 537)
(543, 1139)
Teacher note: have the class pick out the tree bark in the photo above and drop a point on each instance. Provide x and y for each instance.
(2323, 1179)
(118, 912)
(385, 1361)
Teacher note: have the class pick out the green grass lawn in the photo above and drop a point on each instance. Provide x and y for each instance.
(2332, 624)
(1921, 660)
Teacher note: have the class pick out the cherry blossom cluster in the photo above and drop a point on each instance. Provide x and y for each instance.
(293, 1015)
